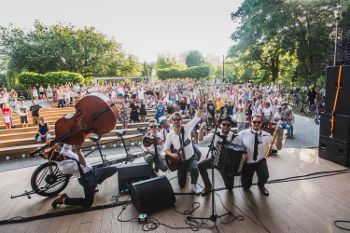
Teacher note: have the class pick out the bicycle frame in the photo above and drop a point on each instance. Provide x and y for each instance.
(128, 158)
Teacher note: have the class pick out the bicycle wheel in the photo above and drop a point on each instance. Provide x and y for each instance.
(47, 180)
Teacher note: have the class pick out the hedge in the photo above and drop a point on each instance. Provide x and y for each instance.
(52, 78)
(193, 72)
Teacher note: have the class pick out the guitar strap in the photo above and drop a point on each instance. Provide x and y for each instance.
(155, 148)
(183, 157)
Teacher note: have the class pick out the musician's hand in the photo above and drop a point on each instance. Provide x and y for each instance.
(245, 156)
(160, 142)
(174, 156)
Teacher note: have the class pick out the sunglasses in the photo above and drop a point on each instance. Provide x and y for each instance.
(153, 126)
(176, 119)
(256, 122)
(223, 124)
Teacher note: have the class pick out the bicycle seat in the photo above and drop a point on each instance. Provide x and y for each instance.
(142, 130)
(95, 139)
(120, 133)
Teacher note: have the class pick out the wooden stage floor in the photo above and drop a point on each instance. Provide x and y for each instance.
(298, 206)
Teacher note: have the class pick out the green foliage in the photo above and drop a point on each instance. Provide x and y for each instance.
(51, 78)
(2, 80)
(193, 72)
(194, 58)
(147, 69)
(168, 61)
(64, 48)
(284, 41)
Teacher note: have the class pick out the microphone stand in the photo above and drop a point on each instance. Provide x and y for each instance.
(213, 217)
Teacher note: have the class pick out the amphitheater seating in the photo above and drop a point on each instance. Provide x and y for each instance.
(20, 140)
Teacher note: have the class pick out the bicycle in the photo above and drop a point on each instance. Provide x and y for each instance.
(47, 180)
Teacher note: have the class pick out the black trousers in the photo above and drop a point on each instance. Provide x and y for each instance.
(92, 178)
(248, 171)
(206, 164)
(185, 166)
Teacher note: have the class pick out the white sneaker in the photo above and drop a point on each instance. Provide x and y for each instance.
(196, 189)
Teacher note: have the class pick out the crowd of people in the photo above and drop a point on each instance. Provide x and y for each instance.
(165, 97)
(251, 108)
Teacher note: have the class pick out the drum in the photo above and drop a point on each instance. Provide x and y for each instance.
(229, 160)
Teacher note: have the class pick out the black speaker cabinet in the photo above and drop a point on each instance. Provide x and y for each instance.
(341, 126)
(334, 150)
(133, 172)
(153, 194)
(344, 93)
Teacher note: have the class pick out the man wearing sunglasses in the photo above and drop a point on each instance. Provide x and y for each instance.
(176, 137)
(224, 135)
(256, 143)
(153, 152)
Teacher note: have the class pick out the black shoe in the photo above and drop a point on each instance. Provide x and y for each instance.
(264, 191)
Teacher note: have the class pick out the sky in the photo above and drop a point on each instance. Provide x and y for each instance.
(145, 28)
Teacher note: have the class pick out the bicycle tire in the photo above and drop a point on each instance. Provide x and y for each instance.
(52, 179)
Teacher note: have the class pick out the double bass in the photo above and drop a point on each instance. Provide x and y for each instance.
(95, 114)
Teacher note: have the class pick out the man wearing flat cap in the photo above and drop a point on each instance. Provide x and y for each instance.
(225, 135)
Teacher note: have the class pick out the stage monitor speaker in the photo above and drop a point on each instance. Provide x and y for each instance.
(331, 88)
(341, 126)
(334, 150)
(133, 172)
(153, 194)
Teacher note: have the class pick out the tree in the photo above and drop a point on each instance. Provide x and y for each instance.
(168, 61)
(194, 58)
(272, 32)
(64, 48)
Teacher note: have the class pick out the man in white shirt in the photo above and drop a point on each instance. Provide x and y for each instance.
(153, 151)
(256, 143)
(224, 135)
(176, 137)
(88, 176)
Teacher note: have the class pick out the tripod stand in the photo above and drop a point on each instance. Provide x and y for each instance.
(214, 216)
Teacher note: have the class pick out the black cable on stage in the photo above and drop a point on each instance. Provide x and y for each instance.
(20, 219)
(336, 223)
(150, 224)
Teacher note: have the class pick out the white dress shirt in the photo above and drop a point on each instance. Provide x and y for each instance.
(208, 138)
(173, 138)
(69, 166)
(246, 138)
(151, 148)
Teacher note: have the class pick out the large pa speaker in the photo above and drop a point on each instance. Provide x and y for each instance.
(152, 194)
(133, 172)
(341, 126)
(334, 150)
(331, 88)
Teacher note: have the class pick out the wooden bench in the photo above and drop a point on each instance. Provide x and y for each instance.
(22, 145)
(24, 149)
(50, 120)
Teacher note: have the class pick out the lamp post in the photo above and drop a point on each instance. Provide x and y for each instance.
(337, 17)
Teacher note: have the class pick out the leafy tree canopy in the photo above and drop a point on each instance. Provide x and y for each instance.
(63, 48)
(194, 58)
